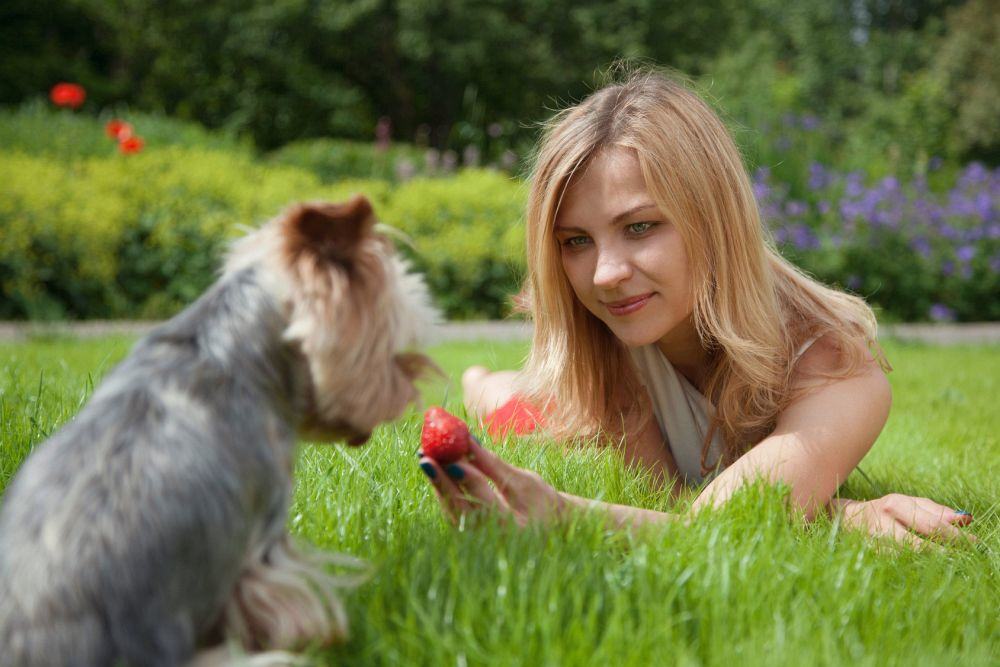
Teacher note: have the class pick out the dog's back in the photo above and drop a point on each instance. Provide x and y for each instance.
(118, 535)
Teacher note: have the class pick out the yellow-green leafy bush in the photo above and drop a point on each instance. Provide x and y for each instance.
(468, 238)
(141, 235)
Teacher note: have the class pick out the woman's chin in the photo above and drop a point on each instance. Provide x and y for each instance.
(633, 337)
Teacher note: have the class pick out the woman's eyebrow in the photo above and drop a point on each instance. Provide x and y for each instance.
(632, 211)
(614, 221)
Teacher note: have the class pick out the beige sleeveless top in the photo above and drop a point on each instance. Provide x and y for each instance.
(682, 412)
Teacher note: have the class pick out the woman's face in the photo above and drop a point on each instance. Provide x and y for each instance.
(624, 258)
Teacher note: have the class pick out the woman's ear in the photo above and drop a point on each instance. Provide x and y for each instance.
(328, 231)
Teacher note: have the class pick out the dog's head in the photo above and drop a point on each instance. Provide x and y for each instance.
(355, 314)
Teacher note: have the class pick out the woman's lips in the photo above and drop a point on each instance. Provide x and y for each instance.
(628, 306)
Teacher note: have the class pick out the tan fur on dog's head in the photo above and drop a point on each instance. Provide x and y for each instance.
(354, 312)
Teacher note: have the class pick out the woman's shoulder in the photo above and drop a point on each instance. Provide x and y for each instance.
(829, 356)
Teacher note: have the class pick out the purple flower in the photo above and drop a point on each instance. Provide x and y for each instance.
(818, 178)
(974, 173)
(984, 206)
(853, 282)
(495, 130)
(761, 190)
(965, 253)
(854, 186)
(810, 122)
(922, 246)
(803, 238)
(796, 209)
(941, 313)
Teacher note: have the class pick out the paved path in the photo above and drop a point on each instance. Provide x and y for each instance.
(939, 334)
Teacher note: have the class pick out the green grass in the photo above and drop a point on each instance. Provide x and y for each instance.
(742, 586)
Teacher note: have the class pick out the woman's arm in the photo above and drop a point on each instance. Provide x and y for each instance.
(818, 440)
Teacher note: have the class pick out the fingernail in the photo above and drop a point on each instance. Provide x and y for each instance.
(428, 470)
(455, 471)
(961, 512)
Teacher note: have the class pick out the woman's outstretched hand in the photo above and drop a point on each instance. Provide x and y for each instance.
(905, 519)
(518, 495)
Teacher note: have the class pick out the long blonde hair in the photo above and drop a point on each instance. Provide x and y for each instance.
(752, 308)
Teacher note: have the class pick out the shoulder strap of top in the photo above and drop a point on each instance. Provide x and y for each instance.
(805, 346)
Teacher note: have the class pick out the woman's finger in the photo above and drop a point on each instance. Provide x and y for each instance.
(476, 486)
(905, 537)
(502, 473)
(928, 518)
(955, 517)
(452, 499)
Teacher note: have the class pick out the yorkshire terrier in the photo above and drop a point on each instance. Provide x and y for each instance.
(152, 526)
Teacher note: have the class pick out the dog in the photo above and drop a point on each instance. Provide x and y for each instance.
(151, 527)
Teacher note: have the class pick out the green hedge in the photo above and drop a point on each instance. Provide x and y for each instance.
(335, 159)
(141, 235)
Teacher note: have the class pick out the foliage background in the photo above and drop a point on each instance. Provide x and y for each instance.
(870, 127)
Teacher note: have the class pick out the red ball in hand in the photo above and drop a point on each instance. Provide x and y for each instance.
(445, 437)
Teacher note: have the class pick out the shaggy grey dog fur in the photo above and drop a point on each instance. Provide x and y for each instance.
(153, 523)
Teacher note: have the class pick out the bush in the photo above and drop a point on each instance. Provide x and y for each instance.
(88, 233)
(37, 129)
(141, 235)
(132, 236)
(915, 252)
(335, 159)
(467, 239)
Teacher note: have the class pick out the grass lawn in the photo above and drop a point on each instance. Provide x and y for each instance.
(742, 586)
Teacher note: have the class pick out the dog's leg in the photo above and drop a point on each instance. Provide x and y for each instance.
(229, 655)
(288, 600)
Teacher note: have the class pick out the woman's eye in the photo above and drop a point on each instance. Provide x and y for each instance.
(575, 241)
(640, 227)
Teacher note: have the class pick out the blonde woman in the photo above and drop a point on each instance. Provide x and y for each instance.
(666, 320)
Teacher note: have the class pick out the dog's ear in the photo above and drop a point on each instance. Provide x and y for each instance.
(329, 231)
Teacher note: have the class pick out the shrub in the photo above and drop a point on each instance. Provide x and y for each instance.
(335, 159)
(467, 238)
(37, 129)
(141, 235)
(132, 236)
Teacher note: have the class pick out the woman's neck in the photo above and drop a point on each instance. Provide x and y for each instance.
(682, 348)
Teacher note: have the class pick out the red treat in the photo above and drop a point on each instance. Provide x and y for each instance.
(445, 437)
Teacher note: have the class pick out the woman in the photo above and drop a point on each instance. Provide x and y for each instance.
(664, 317)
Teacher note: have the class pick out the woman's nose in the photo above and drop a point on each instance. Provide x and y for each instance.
(611, 270)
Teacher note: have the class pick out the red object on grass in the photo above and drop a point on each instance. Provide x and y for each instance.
(445, 437)
(118, 130)
(516, 416)
(131, 145)
(69, 95)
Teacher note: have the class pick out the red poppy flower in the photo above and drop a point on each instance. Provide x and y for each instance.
(131, 145)
(118, 129)
(68, 95)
